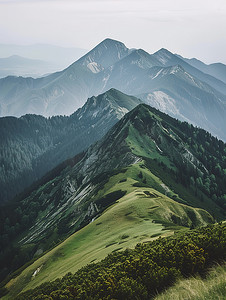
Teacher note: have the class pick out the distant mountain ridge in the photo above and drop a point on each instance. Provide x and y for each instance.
(166, 58)
(217, 70)
(100, 55)
(112, 65)
(171, 89)
(59, 56)
(16, 65)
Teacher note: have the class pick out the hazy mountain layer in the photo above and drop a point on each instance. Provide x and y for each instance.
(174, 91)
(63, 92)
(181, 90)
(217, 70)
(20, 66)
(166, 58)
(59, 56)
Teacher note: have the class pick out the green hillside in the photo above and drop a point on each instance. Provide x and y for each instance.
(141, 215)
(149, 175)
(140, 273)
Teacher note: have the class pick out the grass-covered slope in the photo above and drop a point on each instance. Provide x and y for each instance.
(179, 153)
(212, 286)
(145, 149)
(140, 215)
(142, 272)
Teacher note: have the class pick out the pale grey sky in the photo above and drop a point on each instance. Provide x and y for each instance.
(192, 28)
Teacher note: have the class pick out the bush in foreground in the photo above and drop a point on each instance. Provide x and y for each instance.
(142, 272)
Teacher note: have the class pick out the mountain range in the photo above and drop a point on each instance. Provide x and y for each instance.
(146, 155)
(162, 80)
(216, 69)
(96, 171)
(33, 145)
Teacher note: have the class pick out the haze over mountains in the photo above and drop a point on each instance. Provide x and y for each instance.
(20, 66)
(217, 70)
(162, 80)
(60, 57)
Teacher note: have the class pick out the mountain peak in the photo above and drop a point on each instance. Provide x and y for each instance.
(163, 51)
(109, 104)
(163, 55)
(109, 41)
(140, 58)
(141, 52)
(114, 91)
(105, 54)
(14, 56)
(123, 98)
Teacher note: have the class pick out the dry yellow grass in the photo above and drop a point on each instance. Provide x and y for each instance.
(213, 287)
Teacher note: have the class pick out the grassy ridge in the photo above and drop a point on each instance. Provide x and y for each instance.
(163, 162)
(141, 215)
(177, 159)
(93, 242)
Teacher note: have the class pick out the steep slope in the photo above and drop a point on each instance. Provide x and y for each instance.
(135, 218)
(166, 59)
(32, 145)
(130, 73)
(104, 55)
(111, 65)
(187, 95)
(217, 70)
(186, 98)
(145, 150)
(57, 94)
(170, 89)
